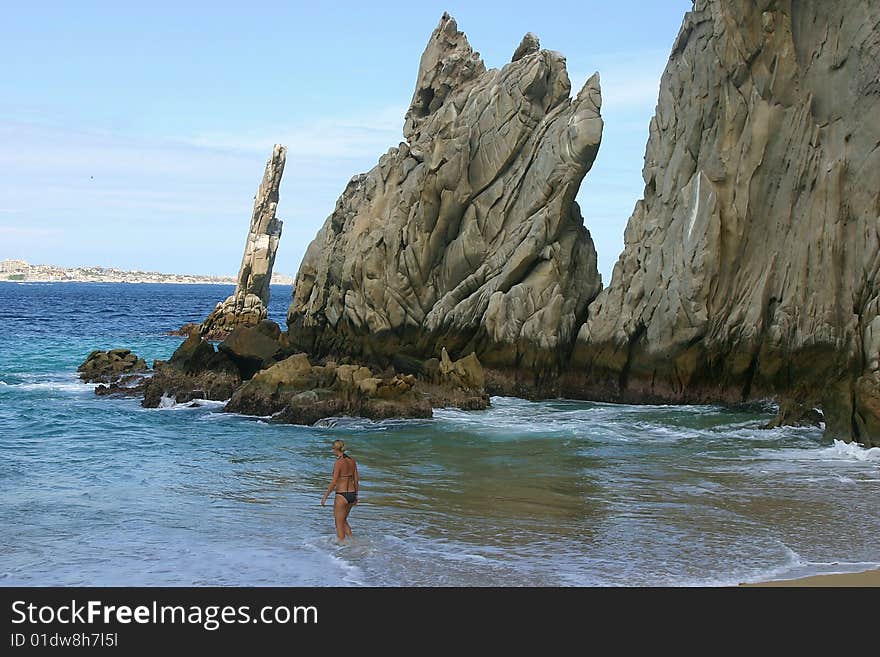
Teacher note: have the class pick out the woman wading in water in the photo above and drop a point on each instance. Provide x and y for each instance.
(345, 481)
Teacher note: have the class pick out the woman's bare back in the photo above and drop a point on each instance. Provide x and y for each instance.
(346, 476)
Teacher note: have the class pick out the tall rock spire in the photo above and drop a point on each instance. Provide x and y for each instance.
(249, 303)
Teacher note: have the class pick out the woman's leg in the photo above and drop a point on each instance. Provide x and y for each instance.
(346, 526)
(340, 511)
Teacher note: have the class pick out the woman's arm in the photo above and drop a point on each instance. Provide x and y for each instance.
(332, 483)
(357, 484)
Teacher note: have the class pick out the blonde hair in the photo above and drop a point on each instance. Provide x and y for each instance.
(339, 445)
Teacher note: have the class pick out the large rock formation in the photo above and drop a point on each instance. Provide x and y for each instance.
(750, 266)
(248, 304)
(468, 235)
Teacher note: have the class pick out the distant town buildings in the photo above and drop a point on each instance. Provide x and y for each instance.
(12, 266)
(19, 270)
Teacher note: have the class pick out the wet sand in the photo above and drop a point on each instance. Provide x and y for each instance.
(867, 578)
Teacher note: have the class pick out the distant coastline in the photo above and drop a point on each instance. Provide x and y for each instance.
(23, 272)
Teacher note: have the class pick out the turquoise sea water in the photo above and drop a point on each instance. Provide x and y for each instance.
(97, 491)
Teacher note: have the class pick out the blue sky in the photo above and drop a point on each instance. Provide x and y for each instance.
(134, 135)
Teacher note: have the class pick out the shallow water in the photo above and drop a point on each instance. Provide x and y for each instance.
(97, 491)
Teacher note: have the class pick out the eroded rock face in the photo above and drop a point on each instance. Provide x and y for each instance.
(248, 304)
(467, 236)
(750, 266)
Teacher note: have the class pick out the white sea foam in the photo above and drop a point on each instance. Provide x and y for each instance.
(792, 564)
(362, 423)
(562, 416)
(838, 451)
(852, 451)
(58, 386)
(168, 403)
(329, 547)
(464, 556)
(353, 574)
(333, 422)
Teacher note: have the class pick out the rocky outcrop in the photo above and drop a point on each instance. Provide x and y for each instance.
(750, 266)
(110, 366)
(252, 370)
(253, 348)
(128, 385)
(195, 371)
(186, 330)
(467, 235)
(248, 304)
(169, 383)
(296, 391)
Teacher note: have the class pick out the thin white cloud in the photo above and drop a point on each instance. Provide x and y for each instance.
(370, 134)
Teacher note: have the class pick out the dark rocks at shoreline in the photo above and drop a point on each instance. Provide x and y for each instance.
(196, 370)
(193, 355)
(296, 391)
(129, 385)
(172, 383)
(796, 414)
(109, 366)
(187, 330)
(255, 372)
(866, 406)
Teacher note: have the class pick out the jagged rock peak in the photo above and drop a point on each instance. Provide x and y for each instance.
(448, 61)
(249, 303)
(467, 236)
(528, 46)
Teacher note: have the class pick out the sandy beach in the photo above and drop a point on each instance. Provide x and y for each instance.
(867, 578)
